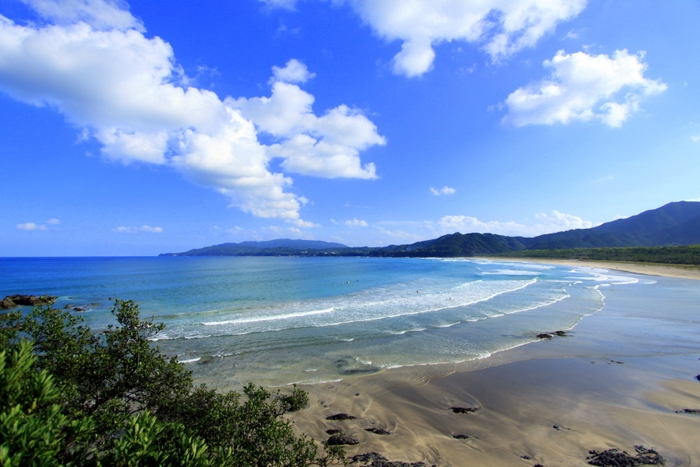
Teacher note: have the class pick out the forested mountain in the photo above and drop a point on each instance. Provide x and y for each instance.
(673, 224)
(282, 246)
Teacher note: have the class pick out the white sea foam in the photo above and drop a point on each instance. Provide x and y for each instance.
(190, 360)
(259, 319)
(510, 272)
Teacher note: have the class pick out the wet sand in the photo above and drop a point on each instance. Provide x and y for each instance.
(546, 403)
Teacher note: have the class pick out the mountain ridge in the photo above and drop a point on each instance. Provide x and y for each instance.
(674, 224)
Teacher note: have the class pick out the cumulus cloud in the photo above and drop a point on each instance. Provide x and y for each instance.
(293, 72)
(143, 228)
(500, 27)
(558, 221)
(446, 190)
(31, 226)
(356, 223)
(53, 221)
(92, 62)
(584, 87)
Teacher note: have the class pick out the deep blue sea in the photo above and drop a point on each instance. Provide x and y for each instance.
(280, 320)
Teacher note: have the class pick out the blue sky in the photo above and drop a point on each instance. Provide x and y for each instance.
(147, 127)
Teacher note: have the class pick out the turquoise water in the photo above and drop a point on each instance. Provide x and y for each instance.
(280, 320)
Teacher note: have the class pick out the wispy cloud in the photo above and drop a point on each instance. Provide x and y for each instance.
(143, 228)
(34, 226)
(356, 223)
(30, 226)
(446, 190)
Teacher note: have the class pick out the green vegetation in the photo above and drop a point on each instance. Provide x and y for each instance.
(71, 397)
(685, 255)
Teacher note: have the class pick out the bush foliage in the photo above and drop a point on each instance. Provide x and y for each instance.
(72, 397)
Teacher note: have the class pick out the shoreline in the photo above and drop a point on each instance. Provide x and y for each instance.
(679, 271)
(616, 381)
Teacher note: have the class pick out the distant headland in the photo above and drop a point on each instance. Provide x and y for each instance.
(669, 234)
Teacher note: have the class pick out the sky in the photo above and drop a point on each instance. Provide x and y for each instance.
(150, 126)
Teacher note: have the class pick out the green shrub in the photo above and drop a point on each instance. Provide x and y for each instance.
(74, 397)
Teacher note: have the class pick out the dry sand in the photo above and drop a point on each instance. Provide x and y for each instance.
(534, 406)
(653, 269)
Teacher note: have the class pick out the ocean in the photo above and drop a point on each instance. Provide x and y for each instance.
(282, 320)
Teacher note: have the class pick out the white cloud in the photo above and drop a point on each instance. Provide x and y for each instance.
(100, 14)
(293, 72)
(31, 226)
(428, 229)
(468, 224)
(501, 27)
(695, 139)
(303, 223)
(326, 146)
(546, 223)
(94, 65)
(53, 221)
(143, 228)
(446, 190)
(148, 228)
(584, 87)
(286, 4)
(356, 223)
(558, 221)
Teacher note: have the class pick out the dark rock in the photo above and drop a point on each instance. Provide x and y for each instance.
(561, 333)
(544, 335)
(378, 431)
(333, 431)
(461, 436)
(68, 307)
(341, 416)
(358, 371)
(557, 427)
(12, 301)
(688, 411)
(78, 308)
(367, 457)
(374, 459)
(337, 440)
(697, 377)
(538, 465)
(616, 458)
(464, 409)
(527, 458)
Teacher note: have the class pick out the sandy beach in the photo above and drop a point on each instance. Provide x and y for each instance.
(616, 381)
(652, 269)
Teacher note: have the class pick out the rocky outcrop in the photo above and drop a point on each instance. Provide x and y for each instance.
(340, 439)
(550, 335)
(616, 458)
(464, 409)
(374, 459)
(12, 301)
(341, 416)
(378, 431)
